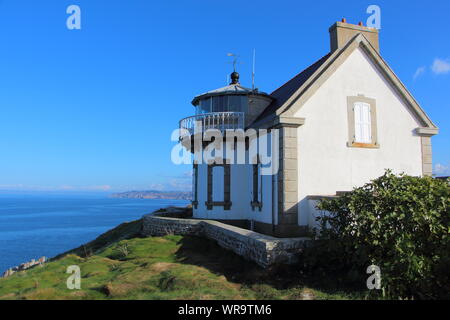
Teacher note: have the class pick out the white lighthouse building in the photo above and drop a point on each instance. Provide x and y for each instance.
(339, 123)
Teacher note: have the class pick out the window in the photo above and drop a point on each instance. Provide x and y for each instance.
(219, 183)
(238, 103)
(362, 124)
(204, 106)
(220, 104)
(235, 103)
(223, 103)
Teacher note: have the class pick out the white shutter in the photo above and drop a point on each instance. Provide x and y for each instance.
(367, 123)
(363, 123)
(357, 109)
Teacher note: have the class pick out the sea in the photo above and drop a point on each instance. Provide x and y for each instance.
(32, 226)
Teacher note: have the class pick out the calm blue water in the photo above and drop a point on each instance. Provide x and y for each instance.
(35, 226)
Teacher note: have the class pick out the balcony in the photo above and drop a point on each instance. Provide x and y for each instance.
(215, 120)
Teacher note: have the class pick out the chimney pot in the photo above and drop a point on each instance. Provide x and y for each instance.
(344, 20)
(361, 24)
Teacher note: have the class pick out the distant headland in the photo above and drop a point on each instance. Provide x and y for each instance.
(154, 194)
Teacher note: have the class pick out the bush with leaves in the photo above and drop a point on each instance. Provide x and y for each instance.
(399, 223)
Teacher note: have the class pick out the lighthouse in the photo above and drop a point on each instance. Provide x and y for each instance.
(224, 191)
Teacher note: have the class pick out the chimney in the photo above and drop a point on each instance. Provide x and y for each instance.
(342, 32)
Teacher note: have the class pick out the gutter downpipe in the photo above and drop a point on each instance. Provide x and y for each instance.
(273, 204)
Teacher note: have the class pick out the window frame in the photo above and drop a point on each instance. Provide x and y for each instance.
(195, 185)
(226, 203)
(257, 186)
(351, 143)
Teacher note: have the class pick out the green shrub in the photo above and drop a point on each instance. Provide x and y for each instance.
(399, 223)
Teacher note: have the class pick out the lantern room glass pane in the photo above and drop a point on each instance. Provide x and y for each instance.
(225, 103)
(238, 103)
(204, 106)
(220, 104)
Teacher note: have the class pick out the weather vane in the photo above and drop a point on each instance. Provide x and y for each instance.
(235, 60)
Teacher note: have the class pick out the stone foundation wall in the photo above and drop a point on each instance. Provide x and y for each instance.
(162, 226)
(262, 249)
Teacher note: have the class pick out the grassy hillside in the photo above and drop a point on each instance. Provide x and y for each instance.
(120, 265)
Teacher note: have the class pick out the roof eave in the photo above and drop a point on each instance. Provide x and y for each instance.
(230, 93)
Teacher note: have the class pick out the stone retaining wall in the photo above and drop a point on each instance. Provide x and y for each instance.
(262, 249)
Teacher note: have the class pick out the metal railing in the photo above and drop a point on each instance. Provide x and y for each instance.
(215, 120)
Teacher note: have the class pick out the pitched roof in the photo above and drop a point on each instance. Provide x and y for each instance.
(284, 92)
(297, 89)
(230, 89)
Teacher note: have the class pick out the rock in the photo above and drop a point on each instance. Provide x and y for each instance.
(8, 273)
(24, 266)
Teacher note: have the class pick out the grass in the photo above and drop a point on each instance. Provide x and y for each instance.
(121, 265)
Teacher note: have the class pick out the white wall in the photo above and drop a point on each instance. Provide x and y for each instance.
(265, 215)
(326, 164)
(241, 195)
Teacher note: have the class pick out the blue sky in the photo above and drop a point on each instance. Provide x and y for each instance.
(93, 109)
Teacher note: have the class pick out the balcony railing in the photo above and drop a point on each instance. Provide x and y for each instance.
(216, 120)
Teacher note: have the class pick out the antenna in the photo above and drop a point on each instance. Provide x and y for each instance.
(253, 71)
